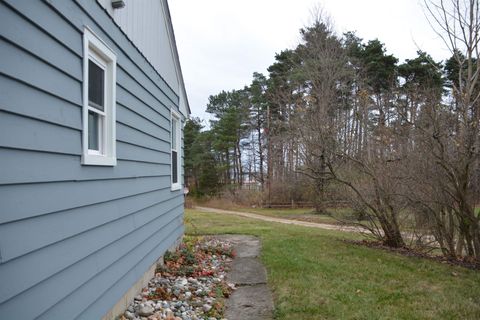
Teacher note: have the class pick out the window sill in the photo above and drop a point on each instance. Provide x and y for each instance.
(98, 160)
(176, 187)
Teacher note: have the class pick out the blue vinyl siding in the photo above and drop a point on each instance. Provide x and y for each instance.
(73, 238)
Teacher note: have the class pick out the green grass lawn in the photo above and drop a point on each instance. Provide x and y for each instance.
(315, 275)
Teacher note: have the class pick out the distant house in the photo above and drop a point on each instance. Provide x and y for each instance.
(92, 103)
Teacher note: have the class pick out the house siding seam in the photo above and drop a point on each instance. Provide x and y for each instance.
(73, 238)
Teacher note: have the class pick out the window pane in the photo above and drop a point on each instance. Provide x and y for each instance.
(96, 87)
(93, 131)
(174, 133)
(174, 167)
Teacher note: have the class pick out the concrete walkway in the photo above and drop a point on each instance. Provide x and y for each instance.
(285, 221)
(252, 299)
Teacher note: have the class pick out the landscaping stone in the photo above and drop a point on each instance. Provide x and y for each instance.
(206, 307)
(129, 315)
(172, 295)
(186, 288)
(146, 311)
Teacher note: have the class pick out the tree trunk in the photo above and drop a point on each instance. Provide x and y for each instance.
(260, 154)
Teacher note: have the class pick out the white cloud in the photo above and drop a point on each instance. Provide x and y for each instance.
(222, 42)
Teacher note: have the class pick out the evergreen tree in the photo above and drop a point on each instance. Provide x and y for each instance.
(200, 165)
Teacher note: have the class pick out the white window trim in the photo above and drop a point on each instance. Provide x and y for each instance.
(178, 185)
(96, 50)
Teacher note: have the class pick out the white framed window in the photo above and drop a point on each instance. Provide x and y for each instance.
(99, 99)
(176, 138)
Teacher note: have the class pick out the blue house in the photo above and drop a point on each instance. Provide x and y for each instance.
(92, 103)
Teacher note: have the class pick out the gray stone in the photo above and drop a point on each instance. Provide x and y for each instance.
(197, 303)
(146, 311)
(190, 296)
(150, 303)
(129, 315)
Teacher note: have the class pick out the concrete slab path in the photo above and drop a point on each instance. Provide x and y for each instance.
(252, 299)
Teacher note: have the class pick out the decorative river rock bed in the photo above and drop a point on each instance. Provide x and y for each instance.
(191, 285)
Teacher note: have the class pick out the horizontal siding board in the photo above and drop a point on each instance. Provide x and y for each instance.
(24, 166)
(74, 238)
(137, 105)
(45, 230)
(160, 241)
(25, 133)
(40, 297)
(26, 67)
(28, 200)
(45, 136)
(133, 119)
(121, 286)
(132, 152)
(156, 102)
(161, 102)
(41, 14)
(73, 19)
(23, 99)
(35, 40)
(76, 249)
(134, 136)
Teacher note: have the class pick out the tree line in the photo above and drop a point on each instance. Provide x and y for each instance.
(337, 118)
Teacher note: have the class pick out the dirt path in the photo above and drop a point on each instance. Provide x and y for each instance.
(281, 220)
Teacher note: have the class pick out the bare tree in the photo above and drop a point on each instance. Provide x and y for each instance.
(453, 135)
(322, 71)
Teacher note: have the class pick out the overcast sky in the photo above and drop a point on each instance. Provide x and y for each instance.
(222, 42)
